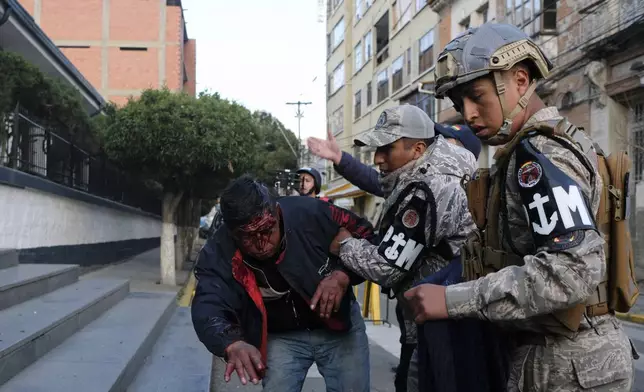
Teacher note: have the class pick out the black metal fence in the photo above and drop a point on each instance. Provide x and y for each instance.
(28, 145)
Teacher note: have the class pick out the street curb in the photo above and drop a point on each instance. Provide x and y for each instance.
(184, 297)
(634, 318)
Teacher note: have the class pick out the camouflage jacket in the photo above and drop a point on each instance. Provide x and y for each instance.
(558, 271)
(442, 167)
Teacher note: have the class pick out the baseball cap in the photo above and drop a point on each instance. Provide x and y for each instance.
(463, 134)
(396, 123)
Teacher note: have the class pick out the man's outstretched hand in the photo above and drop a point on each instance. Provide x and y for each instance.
(246, 360)
(327, 149)
(329, 293)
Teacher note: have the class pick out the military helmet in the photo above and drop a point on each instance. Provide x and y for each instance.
(485, 49)
(490, 49)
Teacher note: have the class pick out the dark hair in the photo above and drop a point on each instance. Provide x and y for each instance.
(243, 199)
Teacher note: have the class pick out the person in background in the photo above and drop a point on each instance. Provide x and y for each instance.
(368, 179)
(311, 183)
(271, 301)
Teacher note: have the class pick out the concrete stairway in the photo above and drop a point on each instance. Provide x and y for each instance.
(59, 333)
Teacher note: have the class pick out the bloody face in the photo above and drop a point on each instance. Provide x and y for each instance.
(260, 238)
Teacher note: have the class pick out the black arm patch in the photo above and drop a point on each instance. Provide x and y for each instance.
(554, 202)
(403, 244)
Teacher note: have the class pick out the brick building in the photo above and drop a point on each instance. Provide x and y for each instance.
(122, 46)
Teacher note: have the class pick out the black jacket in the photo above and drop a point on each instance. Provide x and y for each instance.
(228, 306)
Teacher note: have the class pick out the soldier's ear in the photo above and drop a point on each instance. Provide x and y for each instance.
(419, 148)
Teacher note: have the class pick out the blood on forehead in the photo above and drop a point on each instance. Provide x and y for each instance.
(260, 223)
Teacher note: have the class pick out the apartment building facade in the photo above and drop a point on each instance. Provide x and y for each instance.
(122, 46)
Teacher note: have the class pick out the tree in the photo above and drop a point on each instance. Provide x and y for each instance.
(278, 153)
(187, 145)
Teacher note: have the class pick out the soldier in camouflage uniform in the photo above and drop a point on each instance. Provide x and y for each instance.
(424, 219)
(552, 253)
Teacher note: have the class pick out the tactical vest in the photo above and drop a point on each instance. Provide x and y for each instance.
(483, 252)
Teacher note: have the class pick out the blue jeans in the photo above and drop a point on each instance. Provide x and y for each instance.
(341, 358)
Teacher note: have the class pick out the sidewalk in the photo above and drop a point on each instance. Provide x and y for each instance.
(143, 271)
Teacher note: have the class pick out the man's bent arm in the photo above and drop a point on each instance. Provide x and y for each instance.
(363, 176)
(365, 259)
(564, 272)
(358, 227)
(214, 319)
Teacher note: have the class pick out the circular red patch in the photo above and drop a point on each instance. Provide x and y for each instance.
(529, 174)
(410, 218)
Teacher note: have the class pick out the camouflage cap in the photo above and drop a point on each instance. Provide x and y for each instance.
(396, 123)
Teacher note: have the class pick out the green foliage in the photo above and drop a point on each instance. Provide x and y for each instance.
(276, 152)
(183, 143)
(47, 98)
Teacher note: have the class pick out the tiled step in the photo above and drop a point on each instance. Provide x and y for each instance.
(27, 281)
(33, 328)
(106, 354)
(178, 362)
(8, 258)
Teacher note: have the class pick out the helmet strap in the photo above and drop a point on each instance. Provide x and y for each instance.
(508, 116)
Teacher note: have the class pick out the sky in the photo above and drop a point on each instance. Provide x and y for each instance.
(263, 54)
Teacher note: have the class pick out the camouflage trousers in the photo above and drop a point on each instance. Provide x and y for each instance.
(597, 359)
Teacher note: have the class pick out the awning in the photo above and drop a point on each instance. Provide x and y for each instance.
(345, 190)
(344, 202)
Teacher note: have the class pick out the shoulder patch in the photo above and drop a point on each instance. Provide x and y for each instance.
(529, 174)
(554, 202)
(403, 243)
(567, 241)
(410, 218)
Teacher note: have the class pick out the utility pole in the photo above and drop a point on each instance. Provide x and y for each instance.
(299, 116)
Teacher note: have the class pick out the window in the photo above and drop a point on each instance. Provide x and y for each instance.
(408, 61)
(383, 86)
(483, 12)
(338, 33)
(533, 16)
(420, 4)
(549, 16)
(465, 24)
(636, 131)
(358, 56)
(357, 5)
(357, 104)
(426, 52)
(401, 12)
(368, 46)
(328, 45)
(337, 121)
(369, 94)
(337, 78)
(397, 73)
(426, 102)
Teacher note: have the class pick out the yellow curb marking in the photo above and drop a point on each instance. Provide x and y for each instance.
(188, 291)
(635, 318)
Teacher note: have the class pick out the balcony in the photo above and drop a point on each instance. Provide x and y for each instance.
(438, 5)
(626, 27)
